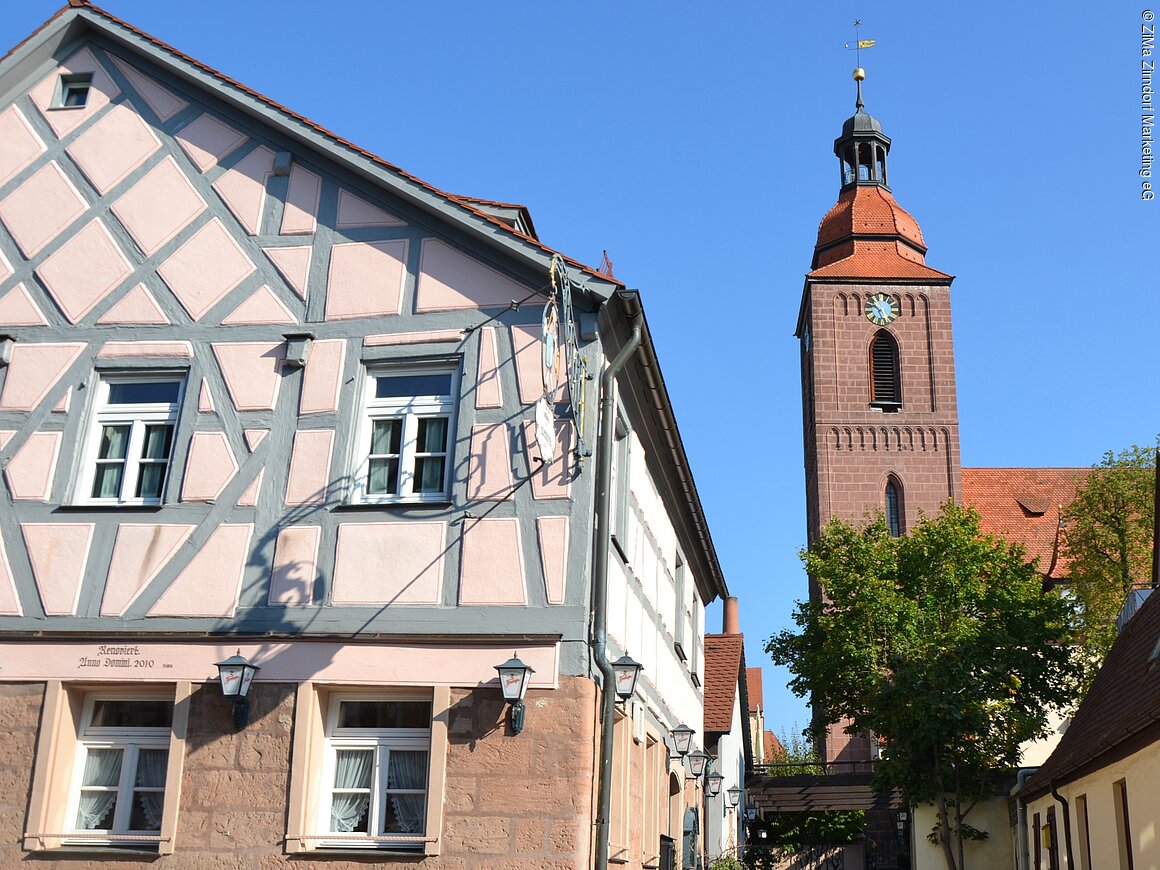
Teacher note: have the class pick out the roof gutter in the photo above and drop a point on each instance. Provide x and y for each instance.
(604, 449)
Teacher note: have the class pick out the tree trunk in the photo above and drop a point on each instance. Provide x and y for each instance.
(944, 832)
(959, 833)
(944, 827)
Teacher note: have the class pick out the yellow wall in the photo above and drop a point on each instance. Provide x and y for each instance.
(1141, 772)
(995, 853)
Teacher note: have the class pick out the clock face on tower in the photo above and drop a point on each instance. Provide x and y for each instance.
(881, 309)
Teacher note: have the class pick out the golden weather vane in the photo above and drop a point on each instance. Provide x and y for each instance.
(858, 44)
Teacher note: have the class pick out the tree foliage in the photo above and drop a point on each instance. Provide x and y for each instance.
(1107, 541)
(941, 643)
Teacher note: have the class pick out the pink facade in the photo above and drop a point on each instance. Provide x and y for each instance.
(262, 392)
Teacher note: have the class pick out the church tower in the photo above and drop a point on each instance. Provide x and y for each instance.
(879, 412)
(880, 417)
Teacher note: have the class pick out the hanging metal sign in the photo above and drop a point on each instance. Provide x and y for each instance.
(550, 346)
(576, 365)
(545, 430)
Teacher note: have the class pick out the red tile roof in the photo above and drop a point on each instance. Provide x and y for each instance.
(869, 235)
(753, 688)
(868, 210)
(773, 748)
(1024, 504)
(723, 657)
(1121, 712)
(865, 258)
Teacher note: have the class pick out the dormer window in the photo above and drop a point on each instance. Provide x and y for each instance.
(74, 90)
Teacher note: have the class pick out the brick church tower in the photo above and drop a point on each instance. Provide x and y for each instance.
(879, 413)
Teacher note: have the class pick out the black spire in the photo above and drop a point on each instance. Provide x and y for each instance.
(862, 147)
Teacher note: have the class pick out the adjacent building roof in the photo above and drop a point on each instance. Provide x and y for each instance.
(1120, 714)
(724, 659)
(753, 688)
(1024, 505)
(773, 748)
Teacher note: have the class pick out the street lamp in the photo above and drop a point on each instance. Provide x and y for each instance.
(682, 739)
(698, 758)
(625, 672)
(751, 812)
(734, 795)
(713, 784)
(514, 677)
(236, 674)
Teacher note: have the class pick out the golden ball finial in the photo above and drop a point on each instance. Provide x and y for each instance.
(859, 74)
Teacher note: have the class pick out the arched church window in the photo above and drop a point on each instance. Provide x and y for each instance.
(893, 507)
(885, 386)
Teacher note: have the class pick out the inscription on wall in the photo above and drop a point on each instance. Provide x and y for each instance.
(126, 658)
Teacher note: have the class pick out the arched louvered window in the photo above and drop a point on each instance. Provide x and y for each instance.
(893, 507)
(885, 386)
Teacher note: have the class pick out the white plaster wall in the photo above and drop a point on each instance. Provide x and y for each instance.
(1035, 752)
(994, 853)
(723, 832)
(1141, 772)
(642, 606)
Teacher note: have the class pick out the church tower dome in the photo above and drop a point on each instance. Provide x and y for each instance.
(867, 234)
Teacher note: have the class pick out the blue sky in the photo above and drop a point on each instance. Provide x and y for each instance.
(695, 145)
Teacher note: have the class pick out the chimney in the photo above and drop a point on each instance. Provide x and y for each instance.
(730, 623)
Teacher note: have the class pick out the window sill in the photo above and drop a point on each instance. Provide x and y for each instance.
(111, 506)
(442, 504)
(98, 851)
(887, 407)
(356, 852)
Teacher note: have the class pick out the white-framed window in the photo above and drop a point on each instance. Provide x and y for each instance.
(404, 441)
(130, 440)
(118, 790)
(375, 772)
(74, 90)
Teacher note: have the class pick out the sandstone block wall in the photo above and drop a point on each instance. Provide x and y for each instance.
(510, 801)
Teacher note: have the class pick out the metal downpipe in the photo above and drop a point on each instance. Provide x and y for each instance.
(600, 581)
(1066, 820)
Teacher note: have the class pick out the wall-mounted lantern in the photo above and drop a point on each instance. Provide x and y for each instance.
(713, 784)
(514, 677)
(626, 672)
(698, 758)
(682, 739)
(751, 812)
(236, 674)
(734, 795)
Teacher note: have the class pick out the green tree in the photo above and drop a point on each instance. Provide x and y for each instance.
(1107, 542)
(941, 643)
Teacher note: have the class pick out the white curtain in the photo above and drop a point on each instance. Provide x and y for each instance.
(151, 765)
(102, 768)
(408, 770)
(352, 770)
